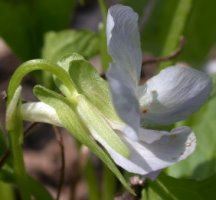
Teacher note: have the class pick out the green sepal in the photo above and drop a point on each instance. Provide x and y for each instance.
(95, 120)
(89, 83)
(65, 63)
(93, 87)
(72, 122)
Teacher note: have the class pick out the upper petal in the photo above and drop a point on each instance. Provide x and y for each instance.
(146, 158)
(173, 94)
(124, 98)
(124, 42)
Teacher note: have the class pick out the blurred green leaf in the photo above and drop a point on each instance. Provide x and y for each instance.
(202, 163)
(60, 44)
(137, 5)
(157, 27)
(199, 30)
(73, 124)
(36, 189)
(6, 191)
(24, 22)
(168, 188)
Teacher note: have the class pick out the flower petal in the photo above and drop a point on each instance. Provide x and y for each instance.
(40, 112)
(210, 68)
(173, 94)
(124, 98)
(146, 158)
(149, 136)
(124, 129)
(124, 42)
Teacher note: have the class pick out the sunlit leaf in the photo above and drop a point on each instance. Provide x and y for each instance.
(60, 44)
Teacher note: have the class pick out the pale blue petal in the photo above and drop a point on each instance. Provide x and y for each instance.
(174, 94)
(146, 158)
(124, 42)
(124, 98)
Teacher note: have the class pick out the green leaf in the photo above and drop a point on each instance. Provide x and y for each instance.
(199, 32)
(73, 124)
(168, 188)
(202, 163)
(60, 44)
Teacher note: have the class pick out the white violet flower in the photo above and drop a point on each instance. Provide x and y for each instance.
(170, 96)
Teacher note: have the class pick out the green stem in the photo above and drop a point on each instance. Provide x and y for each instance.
(18, 166)
(176, 29)
(91, 180)
(109, 184)
(15, 133)
(33, 65)
(103, 9)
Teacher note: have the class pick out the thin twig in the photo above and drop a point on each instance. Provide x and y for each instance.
(169, 57)
(60, 141)
(8, 152)
(28, 128)
(4, 157)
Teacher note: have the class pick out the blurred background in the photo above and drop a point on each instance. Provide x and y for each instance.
(46, 29)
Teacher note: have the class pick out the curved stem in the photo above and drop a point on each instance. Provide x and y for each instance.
(34, 65)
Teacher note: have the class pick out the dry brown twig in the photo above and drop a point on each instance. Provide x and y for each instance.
(60, 141)
(172, 56)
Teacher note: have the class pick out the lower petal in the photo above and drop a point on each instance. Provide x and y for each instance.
(146, 158)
